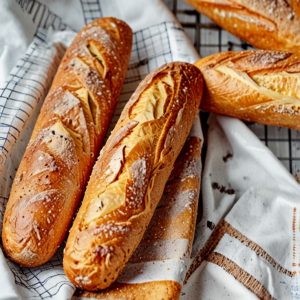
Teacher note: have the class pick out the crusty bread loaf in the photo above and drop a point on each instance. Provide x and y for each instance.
(66, 139)
(169, 235)
(130, 175)
(266, 24)
(258, 86)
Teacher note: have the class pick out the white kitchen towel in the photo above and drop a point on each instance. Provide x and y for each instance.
(248, 238)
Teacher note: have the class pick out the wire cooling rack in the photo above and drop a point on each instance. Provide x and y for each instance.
(209, 38)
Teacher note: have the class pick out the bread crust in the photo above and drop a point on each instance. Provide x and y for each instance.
(65, 141)
(166, 290)
(176, 213)
(174, 219)
(257, 86)
(266, 24)
(129, 177)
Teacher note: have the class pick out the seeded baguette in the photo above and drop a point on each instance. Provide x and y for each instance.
(257, 86)
(72, 123)
(129, 177)
(265, 24)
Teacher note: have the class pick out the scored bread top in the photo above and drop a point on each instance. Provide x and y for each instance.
(265, 24)
(65, 141)
(259, 86)
(129, 177)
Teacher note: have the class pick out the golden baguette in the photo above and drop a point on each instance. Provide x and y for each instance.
(174, 221)
(130, 175)
(70, 128)
(268, 24)
(258, 86)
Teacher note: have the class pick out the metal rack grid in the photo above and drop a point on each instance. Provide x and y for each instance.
(209, 38)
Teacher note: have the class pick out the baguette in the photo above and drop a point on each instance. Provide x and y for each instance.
(128, 179)
(267, 24)
(65, 141)
(257, 86)
(169, 236)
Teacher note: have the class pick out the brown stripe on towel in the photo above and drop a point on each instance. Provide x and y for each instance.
(222, 228)
(240, 275)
